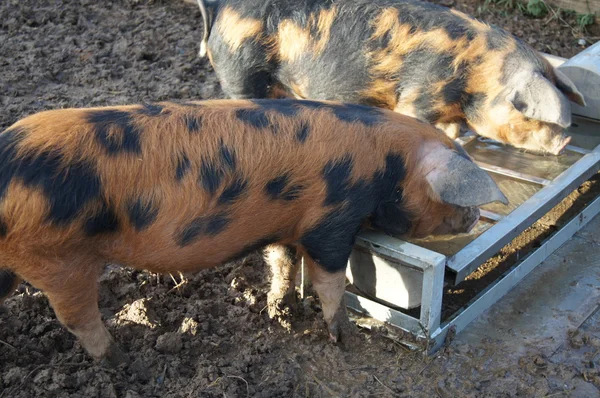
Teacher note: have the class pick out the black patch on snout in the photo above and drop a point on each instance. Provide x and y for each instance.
(233, 191)
(141, 213)
(103, 222)
(208, 226)
(125, 135)
(68, 188)
(278, 188)
(183, 165)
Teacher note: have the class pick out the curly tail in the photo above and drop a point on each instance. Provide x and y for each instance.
(208, 10)
(8, 283)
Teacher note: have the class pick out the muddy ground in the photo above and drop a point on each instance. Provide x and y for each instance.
(209, 335)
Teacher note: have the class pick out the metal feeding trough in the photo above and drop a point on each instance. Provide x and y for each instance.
(403, 282)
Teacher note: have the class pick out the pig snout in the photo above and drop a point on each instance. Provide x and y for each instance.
(463, 220)
(559, 145)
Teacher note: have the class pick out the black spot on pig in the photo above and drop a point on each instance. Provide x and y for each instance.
(473, 104)
(311, 104)
(421, 68)
(125, 135)
(458, 29)
(142, 213)
(246, 74)
(330, 242)
(337, 177)
(253, 117)
(7, 282)
(183, 165)
(227, 157)
(352, 113)
(3, 228)
(216, 224)
(278, 188)
(425, 107)
(211, 174)
(103, 222)
(303, 131)
(151, 109)
(285, 107)
(68, 188)
(210, 177)
(275, 187)
(389, 215)
(454, 91)
(208, 225)
(193, 123)
(497, 39)
(233, 191)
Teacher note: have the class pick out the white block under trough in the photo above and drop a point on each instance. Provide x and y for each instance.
(387, 280)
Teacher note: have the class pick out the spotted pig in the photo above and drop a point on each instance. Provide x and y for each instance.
(180, 187)
(419, 59)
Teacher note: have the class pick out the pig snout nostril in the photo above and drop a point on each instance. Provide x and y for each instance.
(560, 147)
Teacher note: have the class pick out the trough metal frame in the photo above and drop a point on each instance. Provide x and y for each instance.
(428, 327)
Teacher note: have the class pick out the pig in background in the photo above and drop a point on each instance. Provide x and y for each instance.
(416, 58)
(167, 187)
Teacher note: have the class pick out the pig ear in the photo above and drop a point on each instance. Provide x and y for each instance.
(567, 87)
(538, 99)
(459, 181)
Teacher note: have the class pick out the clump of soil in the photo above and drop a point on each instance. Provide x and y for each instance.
(208, 335)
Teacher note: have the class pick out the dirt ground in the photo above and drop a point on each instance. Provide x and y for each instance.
(209, 335)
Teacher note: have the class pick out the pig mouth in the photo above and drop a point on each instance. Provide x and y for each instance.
(470, 227)
(560, 146)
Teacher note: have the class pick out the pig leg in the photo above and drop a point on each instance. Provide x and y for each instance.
(72, 289)
(283, 261)
(330, 288)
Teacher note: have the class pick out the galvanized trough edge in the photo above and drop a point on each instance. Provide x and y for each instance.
(506, 282)
(475, 253)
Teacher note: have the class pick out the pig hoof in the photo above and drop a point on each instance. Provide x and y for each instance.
(282, 307)
(346, 334)
(341, 330)
(114, 357)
